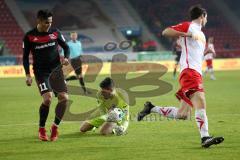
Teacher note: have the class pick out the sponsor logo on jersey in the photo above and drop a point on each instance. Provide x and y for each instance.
(35, 39)
(45, 45)
(52, 36)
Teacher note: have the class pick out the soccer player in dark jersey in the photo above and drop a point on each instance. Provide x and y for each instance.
(42, 42)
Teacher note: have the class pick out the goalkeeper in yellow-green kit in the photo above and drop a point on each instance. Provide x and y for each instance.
(113, 117)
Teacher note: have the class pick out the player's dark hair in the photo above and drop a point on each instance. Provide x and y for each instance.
(73, 32)
(196, 11)
(44, 14)
(107, 83)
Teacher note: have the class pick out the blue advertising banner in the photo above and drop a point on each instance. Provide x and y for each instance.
(7, 60)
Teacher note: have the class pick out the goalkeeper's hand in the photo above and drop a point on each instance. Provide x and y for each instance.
(111, 118)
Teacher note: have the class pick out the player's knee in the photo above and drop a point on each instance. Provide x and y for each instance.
(47, 99)
(105, 132)
(201, 97)
(199, 101)
(107, 129)
(47, 102)
(62, 97)
(85, 127)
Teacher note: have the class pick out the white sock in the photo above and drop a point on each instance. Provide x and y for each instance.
(211, 73)
(170, 112)
(206, 71)
(202, 122)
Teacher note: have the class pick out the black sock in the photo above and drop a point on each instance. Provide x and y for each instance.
(82, 84)
(71, 78)
(43, 113)
(59, 111)
(57, 120)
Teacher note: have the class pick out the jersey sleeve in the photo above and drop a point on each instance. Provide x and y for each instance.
(100, 103)
(26, 52)
(62, 42)
(62, 51)
(181, 27)
(99, 100)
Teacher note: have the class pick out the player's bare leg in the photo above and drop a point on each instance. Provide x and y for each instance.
(86, 127)
(184, 111)
(199, 102)
(169, 111)
(205, 72)
(212, 77)
(59, 113)
(107, 128)
(43, 113)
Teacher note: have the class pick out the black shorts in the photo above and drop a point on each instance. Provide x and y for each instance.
(51, 81)
(77, 65)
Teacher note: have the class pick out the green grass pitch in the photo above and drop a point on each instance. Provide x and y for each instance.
(161, 139)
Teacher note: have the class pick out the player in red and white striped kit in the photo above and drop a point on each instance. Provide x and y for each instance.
(209, 55)
(191, 93)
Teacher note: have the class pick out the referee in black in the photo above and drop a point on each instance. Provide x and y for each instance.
(42, 42)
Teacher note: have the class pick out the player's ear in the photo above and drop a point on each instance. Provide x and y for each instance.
(204, 15)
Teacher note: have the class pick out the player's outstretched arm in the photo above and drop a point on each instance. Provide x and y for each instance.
(169, 32)
(63, 44)
(65, 47)
(26, 51)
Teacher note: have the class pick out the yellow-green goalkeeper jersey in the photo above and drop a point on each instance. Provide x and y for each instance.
(119, 100)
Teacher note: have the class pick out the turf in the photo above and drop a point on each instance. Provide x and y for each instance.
(156, 139)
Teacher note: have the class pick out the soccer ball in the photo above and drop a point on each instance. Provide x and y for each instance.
(115, 115)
